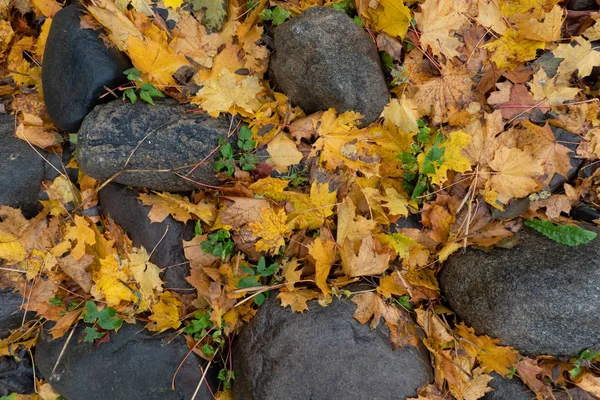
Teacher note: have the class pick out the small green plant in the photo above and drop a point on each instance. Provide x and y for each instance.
(570, 235)
(106, 319)
(202, 328)
(227, 376)
(584, 360)
(345, 6)
(404, 301)
(55, 302)
(219, 244)
(276, 15)
(245, 159)
(415, 179)
(262, 271)
(251, 5)
(297, 176)
(146, 91)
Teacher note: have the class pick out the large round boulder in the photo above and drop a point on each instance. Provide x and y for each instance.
(324, 60)
(77, 66)
(539, 297)
(323, 353)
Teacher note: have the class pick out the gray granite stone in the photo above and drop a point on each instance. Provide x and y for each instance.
(321, 354)
(156, 141)
(322, 59)
(539, 297)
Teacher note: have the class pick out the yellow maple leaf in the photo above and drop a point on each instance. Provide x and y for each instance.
(297, 300)
(178, 206)
(272, 228)
(310, 211)
(173, 3)
(511, 50)
(490, 16)
(547, 31)
(80, 233)
(146, 274)
(110, 279)
(283, 152)
(438, 20)
(11, 249)
(452, 160)
(490, 355)
(402, 113)
(395, 202)
(165, 313)
(409, 250)
(367, 262)
(516, 173)
(351, 226)
(447, 250)
(391, 285)
(270, 187)
(554, 91)
(291, 273)
(391, 17)
(228, 94)
(580, 57)
(342, 144)
(324, 254)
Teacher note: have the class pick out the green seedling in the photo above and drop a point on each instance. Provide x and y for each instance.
(276, 15)
(219, 244)
(106, 319)
(146, 91)
(254, 280)
(245, 159)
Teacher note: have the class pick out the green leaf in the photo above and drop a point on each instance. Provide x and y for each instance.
(92, 334)
(266, 14)
(73, 138)
(226, 150)
(227, 377)
(91, 312)
(12, 396)
(130, 94)
(359, 21)
(133, 74)
(271, 270)
(280, 15)
(207, 349)
(260, 299)
(107, 319)
(54, 302)
(244, 283)
(198, 228)
(386, 59)
(245, 133)
(144, 95)
(570, 235)
(260, 267)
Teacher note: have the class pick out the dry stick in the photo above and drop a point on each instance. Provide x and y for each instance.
(157, 244)
(201, 380)
(12, 270)
(62, 351)
(186, 357)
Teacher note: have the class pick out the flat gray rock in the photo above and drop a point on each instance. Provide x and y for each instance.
(11, 315)
(323, 60)
(151, 144)
(77, 66)
(123, 206)
(539, 297)
(322, 354)
(134, 365)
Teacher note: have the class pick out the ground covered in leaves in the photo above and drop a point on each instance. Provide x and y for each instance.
(467, 131)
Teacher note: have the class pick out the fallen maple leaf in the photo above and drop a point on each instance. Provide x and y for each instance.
(366, 262)
(323, 251)
(272, 228)
(554, 91)
(146, 275)
(292, 273)
(491, 357)
(80, 234)
(577, 55)
(548, 31)
(165, 313)
(511, 50)
(437, 21)
(297, 300)
(178, 206)
(283, 153)
(349, 225)
(516, 173)
(227, 93)
(402, 113)
(311, 211)
(391, 17)
(590, 384)
(270, 187)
